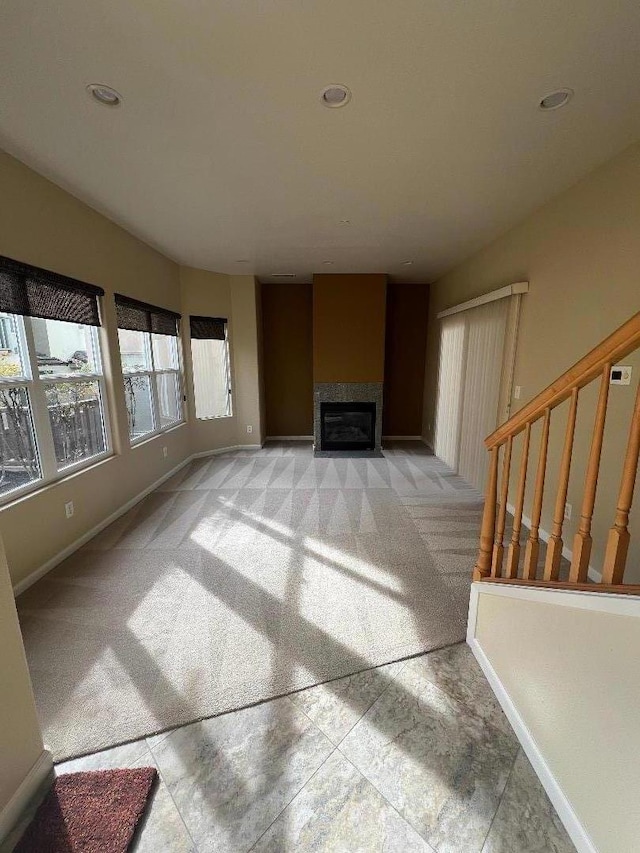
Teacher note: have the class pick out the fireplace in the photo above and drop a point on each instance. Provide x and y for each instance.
(347, 426)
(347, 418)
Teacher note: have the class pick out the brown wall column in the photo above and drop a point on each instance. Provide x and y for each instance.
(287, 311)
(405, 353)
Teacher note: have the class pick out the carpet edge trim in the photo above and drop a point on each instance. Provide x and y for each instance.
(263, 701)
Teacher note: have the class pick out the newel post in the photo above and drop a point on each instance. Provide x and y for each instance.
(487, 534)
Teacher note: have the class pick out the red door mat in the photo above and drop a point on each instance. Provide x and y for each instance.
(94, 812)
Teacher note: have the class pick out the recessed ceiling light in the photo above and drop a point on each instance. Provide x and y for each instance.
(104, 95)
(344, 222)
(328, 263)
(283, 275)
(555, 100)
(407, 263)
(335, 95)
(242, 262)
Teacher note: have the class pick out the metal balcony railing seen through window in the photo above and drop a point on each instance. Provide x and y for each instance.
(52, 414)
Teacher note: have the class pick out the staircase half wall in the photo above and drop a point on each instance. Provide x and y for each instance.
(564, 666)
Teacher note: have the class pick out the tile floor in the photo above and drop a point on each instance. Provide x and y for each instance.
(412, 756)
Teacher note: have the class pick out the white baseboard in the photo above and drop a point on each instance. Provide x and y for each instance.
(402, 438)
(289, 438)
(11, 813)
(25, 583)
(567, 553)
(565, 811)
(617, 604)
(42, 570)
(231, 449)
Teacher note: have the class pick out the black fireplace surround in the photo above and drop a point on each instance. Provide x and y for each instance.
(348, 426)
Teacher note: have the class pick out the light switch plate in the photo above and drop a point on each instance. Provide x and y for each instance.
(620, 374)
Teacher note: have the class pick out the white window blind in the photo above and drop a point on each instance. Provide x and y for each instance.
(486, 328)
(211, 367)
(450, 378)
(477, 353)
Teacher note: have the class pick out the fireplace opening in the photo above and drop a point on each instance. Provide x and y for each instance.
(348, 426)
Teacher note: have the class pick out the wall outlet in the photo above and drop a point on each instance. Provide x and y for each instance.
(517, 392)
(165, 452)
(249, 429)
(567, 511)
(68, 509)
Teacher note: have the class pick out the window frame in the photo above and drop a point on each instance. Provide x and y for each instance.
(35, 387)
(152, 373)
(228, 373)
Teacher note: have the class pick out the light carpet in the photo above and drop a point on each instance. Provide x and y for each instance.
(246, 576)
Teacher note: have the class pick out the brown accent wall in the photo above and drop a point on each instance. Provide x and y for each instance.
(288, 358)
(406, 342)
(349, 327)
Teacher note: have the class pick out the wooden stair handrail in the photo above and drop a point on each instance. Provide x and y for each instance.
(618, 345)
(490, 564)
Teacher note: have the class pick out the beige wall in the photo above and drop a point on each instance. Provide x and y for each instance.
(20, 739)
(245, 295)
(43, 225)
(209, 295)
(235, 298)
(573, 677)
(581, 256)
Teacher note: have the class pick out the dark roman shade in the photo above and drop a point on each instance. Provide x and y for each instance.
(34, 292)
(140, 317)
(208, 328)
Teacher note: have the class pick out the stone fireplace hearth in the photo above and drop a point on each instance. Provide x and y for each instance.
(342, 393)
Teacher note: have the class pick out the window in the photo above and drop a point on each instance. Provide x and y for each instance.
(52, 416)
(211, 369)
(148, 339)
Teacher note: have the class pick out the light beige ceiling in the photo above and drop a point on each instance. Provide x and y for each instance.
(222, 151)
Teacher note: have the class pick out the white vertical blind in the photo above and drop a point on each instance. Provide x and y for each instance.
(450, 379)
(477, 353)
(486, 327)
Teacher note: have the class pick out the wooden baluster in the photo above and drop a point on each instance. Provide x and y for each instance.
(513, 555)
(554, 549)
(498, 548)
(582, 541)
(487, 533)
(618, 543)
(532, 550)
